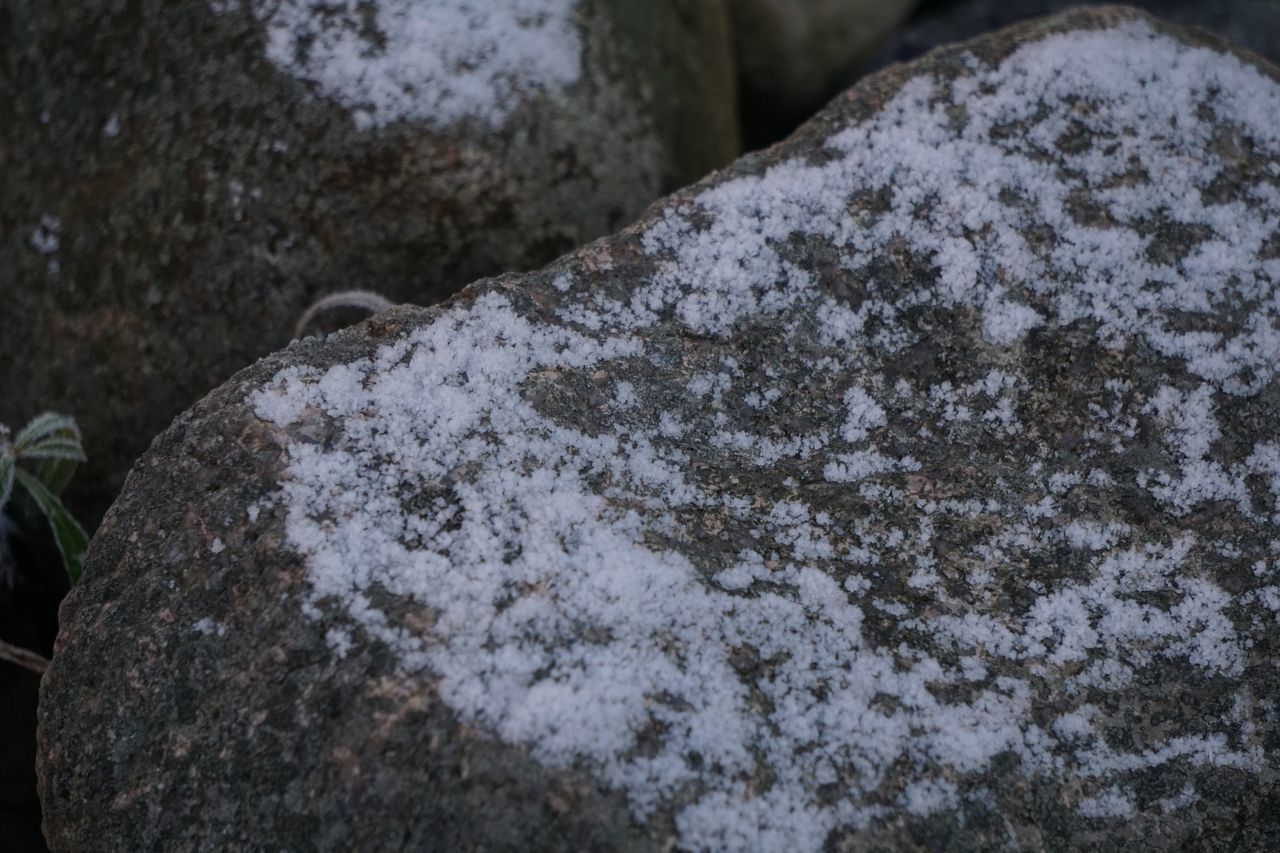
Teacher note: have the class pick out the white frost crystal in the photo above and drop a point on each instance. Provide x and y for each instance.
(559, 624)
(47, 237)
(435, 61)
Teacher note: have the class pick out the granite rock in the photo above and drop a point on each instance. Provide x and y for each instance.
(911, 485)
(182, 179)
(1253, 24)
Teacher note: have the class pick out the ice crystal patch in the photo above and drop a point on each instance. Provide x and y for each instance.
(435, 61)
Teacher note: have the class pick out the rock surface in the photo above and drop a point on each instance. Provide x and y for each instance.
(912, 485)
(793, 54)
(1254, 24)
(182, 179)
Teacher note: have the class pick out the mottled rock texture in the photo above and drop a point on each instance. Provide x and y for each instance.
(912, 485)
(182, 179)
(1254, 24)
(793, 54)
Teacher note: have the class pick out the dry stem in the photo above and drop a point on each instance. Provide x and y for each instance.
(23, 657)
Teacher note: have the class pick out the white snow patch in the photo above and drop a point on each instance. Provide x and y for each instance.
(861, 464)
(47, 236)
(435, 61)
(523, 670)
(339, 639)
(949, 186)
(1113, 802)
(209, 627)
(864, 415)
(929, 795)
(1004, 323)
(624, 395)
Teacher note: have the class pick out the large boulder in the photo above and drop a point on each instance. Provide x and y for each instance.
(912, 485)
(182, 179)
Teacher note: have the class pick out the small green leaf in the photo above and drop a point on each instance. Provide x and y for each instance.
(56, 473)
(67, 532)
(47, 425)
(54, 447)
(54, 440)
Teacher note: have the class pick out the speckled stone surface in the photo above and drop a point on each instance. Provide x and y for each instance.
(911, 485)
(1254, 24)
(176, 193)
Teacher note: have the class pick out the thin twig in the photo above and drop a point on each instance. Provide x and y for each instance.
(367, 300)
(23, 657)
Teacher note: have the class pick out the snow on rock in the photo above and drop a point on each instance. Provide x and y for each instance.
(440, 61)
(917, 477)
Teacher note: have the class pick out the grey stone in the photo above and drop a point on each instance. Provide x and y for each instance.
(1254, 24)
(912, 485)
(182, 179)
